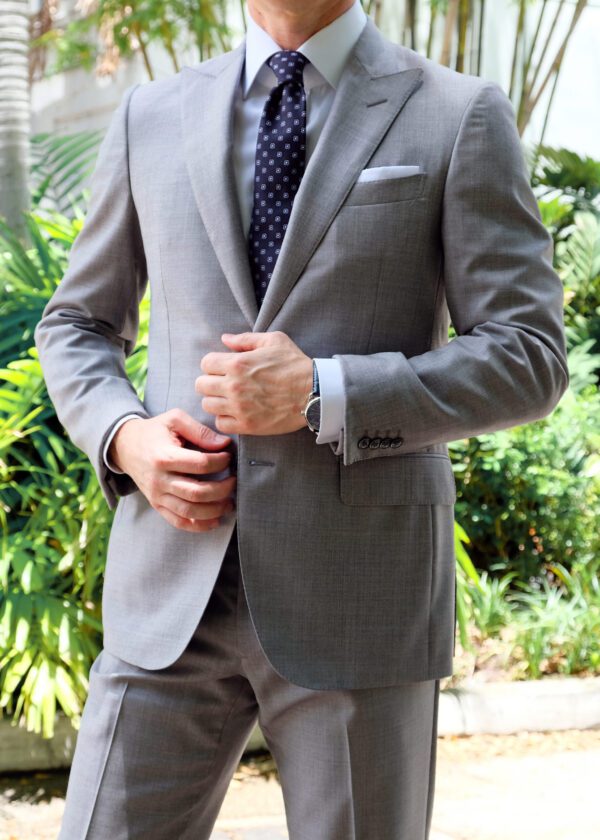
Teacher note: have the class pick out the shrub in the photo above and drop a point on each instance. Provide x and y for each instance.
(529, 496)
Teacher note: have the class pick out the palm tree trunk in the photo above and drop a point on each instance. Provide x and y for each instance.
(14, 113)
(143, 50)
(463, 20)
(411, 14)
(534, 98)
(517, 46)
(480, 36)
(378, 8)
(540, 61)
(549, 108)
(526, 87)
(432, 17)
(449, 24)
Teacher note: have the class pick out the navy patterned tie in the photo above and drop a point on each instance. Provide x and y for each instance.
(280, 160)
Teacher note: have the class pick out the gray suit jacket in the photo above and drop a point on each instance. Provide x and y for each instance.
(347, 560)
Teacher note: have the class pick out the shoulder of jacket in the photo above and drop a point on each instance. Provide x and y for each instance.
(454, 88)
(153, 91)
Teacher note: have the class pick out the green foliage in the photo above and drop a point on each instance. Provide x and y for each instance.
(530, 495)
(127, 28)
(53, 538)
(467, 582)
(491, 608)
(558, 627)
(28, 277)
(61, 165)
(577, 257)
(55, 522)
(565, 172)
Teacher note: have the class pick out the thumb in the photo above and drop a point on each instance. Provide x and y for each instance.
(243, 341)
(196, 432)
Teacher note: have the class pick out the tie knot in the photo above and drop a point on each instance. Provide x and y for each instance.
(288, 65)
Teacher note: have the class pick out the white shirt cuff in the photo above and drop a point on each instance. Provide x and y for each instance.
(333, 400)
(117, 425)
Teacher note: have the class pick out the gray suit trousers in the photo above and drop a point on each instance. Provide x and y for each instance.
(156, 749)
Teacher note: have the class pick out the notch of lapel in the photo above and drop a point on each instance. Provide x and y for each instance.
(372, 90)
(207, 113)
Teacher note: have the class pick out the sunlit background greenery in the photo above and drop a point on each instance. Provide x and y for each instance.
(527, 538)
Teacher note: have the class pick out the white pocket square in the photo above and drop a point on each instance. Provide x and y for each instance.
(380, 173)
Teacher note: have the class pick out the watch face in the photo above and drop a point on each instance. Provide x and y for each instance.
(313, 414)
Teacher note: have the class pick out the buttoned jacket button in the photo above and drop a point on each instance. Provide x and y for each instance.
(364, 443)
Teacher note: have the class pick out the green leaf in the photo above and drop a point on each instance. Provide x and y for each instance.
(23, 616)
(14, 673)
(66, 692)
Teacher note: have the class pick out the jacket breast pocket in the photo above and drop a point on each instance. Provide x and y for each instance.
(412, 479)
(386, 190)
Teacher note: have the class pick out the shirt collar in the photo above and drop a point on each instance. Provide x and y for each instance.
(327, 50)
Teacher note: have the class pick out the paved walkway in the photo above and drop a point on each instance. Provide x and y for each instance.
(529, 786)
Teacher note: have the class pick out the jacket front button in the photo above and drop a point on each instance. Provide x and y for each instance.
(364, 443)
(375, 443)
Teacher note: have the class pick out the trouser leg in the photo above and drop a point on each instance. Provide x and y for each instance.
(354, 764)
(156, 749)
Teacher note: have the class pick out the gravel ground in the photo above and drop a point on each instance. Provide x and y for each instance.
(528, 786)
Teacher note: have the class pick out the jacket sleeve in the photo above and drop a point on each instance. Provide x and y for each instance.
(90, 324)
(507, 364)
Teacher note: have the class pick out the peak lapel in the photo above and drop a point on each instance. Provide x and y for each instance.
(207, 112)
(372, 90)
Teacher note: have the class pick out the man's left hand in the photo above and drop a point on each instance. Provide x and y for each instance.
(260, 388)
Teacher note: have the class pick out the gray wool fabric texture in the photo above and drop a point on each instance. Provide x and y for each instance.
(347, 560)
(157, 749)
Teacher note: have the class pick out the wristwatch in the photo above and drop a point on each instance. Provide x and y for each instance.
(312, 409)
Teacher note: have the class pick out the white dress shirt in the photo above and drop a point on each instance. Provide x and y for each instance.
(327, 51)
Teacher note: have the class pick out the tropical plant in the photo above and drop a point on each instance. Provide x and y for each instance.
(53, 537)
(529, 496)
(536, 75)
(55, 522)
(106, 31)
(558, 627)
(61, 167)
(28, 277)
(458, 29)
(574, 178)
(467, 583)
(578, 263)
(491, 608)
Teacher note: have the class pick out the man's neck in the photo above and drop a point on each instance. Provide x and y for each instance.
(292, 22)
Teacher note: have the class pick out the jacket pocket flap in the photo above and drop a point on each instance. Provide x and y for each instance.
(419, 479)
(387, 190)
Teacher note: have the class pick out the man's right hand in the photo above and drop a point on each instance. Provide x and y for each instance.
(152, 451)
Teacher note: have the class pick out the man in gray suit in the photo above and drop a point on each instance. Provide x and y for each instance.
(282, 546)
